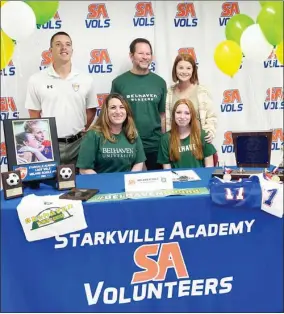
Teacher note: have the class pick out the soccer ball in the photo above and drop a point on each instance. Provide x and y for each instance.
(65, 173)
(13, 179)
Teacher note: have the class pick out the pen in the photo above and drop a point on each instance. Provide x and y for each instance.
(175, 173)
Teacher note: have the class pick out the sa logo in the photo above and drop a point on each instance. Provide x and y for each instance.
(169, 256)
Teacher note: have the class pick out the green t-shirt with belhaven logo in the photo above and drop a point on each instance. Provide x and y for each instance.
(101, 155)
(187, 159)
(146, 95)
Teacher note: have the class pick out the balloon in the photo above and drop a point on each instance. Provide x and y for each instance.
(279, 52)
(254, 45)
(270, 19)
(43, 10)
(7, 49)
(17, 20)
(228, 57)
(236, 25)
(263, 3)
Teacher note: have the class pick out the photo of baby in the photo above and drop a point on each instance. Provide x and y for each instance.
(32, 141)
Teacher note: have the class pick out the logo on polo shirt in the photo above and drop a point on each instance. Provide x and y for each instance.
(100, 61)
(3, 154)
(189, 51)
(185, 15)
(75, 87)
(8, 108)
(10, 70)
(144, 15)
(274, 99)
(46, 59)
(54, 23)
(101, 99)
(231, 101)
(272, 61)
(228, 10)
(97, 16)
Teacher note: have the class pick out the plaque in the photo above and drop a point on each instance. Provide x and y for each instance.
(79, 194)
(252, 150)
(12, 184)
(32, 147)
(66, 177)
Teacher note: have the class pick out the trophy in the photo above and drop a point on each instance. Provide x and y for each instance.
(12, 184)
(66, 177)
(252, 150)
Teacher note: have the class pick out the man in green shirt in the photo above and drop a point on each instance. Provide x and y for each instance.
(145, 92)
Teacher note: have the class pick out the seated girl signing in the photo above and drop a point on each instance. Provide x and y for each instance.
(184, 146)
(112, 144)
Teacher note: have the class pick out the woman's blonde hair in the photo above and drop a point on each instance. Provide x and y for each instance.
(103, 123)
(195, 133)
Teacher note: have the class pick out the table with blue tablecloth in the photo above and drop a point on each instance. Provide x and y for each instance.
(166, 254)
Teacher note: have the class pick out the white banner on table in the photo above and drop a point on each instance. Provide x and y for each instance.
(148, 181)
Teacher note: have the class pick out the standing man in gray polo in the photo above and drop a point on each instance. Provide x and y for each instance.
(62, 92)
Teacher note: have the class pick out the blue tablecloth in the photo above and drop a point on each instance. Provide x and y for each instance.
(240, 272)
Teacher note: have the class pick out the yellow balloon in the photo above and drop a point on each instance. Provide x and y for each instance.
(228, 57)
(7, 49)
(2, 2)
(279, 52)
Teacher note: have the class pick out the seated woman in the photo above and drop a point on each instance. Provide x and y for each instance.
(185, 146)
(185, 76)
(28, 149)
(112, 144)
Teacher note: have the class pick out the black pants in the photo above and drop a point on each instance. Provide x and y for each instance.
(151, 162)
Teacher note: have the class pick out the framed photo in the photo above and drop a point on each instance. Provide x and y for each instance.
(32, 147)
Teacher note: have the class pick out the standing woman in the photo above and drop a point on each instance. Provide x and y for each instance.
(184, 146)
(112, 144)
(184, 74)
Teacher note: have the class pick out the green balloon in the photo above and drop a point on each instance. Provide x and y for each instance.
(263, 3)
(236, 26)
(270, 20)
(43, 10)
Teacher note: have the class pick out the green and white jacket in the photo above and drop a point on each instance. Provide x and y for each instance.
(208, 118)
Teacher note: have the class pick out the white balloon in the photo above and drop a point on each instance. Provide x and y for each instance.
(254, 45)
(18, 20)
